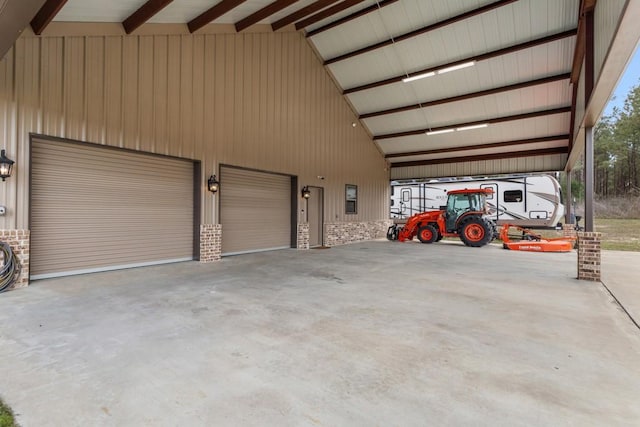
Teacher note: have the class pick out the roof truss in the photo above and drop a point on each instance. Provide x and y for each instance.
(476, 158)
(143, 14)
(263, 13)
(212, 14)
(45, 15)
(301, 13)
(346, 19)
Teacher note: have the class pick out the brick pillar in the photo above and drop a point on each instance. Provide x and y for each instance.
(303, 235)
(18, 240)
(569, 230)
(210, 242)
(589, 256)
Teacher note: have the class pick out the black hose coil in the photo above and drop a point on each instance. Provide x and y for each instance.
(10, 267)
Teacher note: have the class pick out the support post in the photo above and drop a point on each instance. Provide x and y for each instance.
(589, 211)
(568, 204)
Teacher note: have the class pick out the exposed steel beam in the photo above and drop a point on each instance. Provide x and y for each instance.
(586, 7)
(366, 10)
(143, 14)
(45, 15)
(212, 14)
(299, 14)
(477, 58)
(496, 156)
(494, 120)
(466, 96)
(518, 142)
(327, 13)
(263, 13)
(420, 31)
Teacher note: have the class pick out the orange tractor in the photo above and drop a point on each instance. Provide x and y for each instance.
(464, 216)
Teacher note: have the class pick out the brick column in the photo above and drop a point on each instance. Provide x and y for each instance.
(210, 242)
(18, 240)
(303, 235)
(589, 256)
(569, 230)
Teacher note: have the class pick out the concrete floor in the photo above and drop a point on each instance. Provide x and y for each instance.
(377, 333)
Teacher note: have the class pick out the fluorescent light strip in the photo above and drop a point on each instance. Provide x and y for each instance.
(438, 132)
(457, 67)
(418, 77)
(442, 71)
(484, 125)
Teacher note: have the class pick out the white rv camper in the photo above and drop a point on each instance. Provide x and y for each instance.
(533, 201)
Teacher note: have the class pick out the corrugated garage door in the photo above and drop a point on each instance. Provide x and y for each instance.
(255, 211)
(94, 208)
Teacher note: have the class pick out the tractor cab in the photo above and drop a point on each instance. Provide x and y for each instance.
(460, 202)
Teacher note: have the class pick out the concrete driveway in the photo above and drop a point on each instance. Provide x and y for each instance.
(377, 333)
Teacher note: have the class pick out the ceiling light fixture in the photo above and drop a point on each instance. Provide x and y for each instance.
(418, 77)
(457, 67)
(484, 125)
(438, 132)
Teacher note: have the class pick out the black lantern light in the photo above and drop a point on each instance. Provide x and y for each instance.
(213, 184)
(306, 193)
(6, 166)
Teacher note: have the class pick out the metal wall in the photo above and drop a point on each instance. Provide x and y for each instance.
(256, 100)
(485, 167)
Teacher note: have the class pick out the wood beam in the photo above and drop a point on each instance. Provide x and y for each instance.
(466, 96)
(518, 142)
(143, 14)
(366, 10)
(327, 13)
(492, 121)
(477, 58)
(45, 15)
(299, 14)
(263, 13)
(496, 156)
(420, 31)
(212, 14)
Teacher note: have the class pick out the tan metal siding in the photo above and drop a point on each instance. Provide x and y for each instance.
(545, 163)
(255, 211)
(97, 208)
(257, 100)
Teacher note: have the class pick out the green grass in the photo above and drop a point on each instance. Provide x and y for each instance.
(619, 234)
(6, 416)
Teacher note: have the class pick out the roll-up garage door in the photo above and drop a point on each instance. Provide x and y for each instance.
(95, 208)
(255, 211)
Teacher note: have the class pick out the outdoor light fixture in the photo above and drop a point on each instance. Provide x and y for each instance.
(449, 130)
(438, 72)
(438, 132)
(306, 193)
(457, 67)
(484, 125)
(6, 166)
(418, 77)
(213, 184)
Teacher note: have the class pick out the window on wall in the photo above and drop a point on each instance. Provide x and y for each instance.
(512, 196)
(351, 199)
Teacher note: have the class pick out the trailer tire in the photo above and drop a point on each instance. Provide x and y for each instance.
(427, 234)
(476, 231)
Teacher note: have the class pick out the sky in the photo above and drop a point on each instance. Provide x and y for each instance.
(630, 78)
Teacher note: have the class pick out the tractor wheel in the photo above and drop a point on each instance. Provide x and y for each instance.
(440, 236)
(392, 233)
(476, 231)
(427, 234)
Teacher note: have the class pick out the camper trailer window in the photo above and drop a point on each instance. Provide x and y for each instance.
(513, 196)
(406, 195)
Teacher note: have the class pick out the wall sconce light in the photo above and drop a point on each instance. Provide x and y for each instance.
(212, 184)
(306, 193)
(6, 166)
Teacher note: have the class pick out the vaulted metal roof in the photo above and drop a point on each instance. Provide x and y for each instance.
(435, 82)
